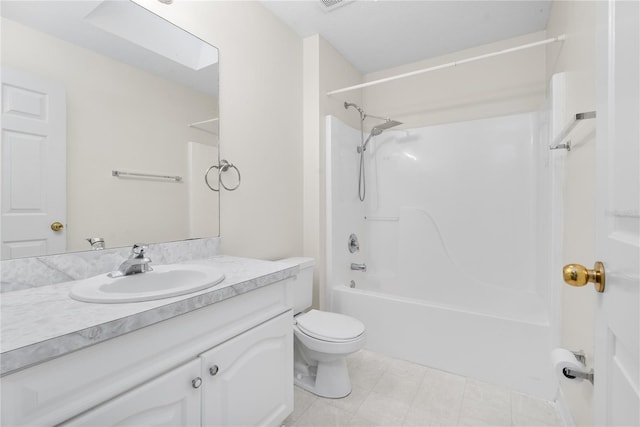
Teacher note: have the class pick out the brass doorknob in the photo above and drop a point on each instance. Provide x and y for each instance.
(578, 275)
(57, 226)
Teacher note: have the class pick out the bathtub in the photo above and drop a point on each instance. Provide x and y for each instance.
(504, 339)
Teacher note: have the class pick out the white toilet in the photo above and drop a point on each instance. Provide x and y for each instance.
(322, 340)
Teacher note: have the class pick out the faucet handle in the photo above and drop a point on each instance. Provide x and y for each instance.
(139, 249)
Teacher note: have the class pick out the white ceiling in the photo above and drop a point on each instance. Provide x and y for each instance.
(375, 35)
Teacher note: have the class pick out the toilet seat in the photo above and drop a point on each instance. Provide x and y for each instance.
(331, 327)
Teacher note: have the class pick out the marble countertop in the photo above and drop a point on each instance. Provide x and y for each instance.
(41, 323)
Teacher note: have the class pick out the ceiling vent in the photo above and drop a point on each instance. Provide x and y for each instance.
(331, 5)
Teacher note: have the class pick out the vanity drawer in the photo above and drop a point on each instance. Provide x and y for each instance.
(54, 391)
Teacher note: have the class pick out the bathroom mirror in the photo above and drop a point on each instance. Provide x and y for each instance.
(109, 122)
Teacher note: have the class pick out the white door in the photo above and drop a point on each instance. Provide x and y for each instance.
(171, 400)
(617, 335)
(248, 380)
(33, 165)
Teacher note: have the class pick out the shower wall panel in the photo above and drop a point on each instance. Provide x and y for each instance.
(464, 198)
(448, 207)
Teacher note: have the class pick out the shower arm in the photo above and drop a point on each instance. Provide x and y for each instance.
(386, 119)
(363, 115)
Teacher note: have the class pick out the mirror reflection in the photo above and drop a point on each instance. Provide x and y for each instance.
(109, 120)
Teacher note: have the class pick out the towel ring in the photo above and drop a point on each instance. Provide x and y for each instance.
(206, 177)
(222, 167)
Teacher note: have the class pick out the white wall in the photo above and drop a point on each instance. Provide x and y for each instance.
(117, 119)
(204, 205)
(577, 57)
(260, 121)
(507, 84)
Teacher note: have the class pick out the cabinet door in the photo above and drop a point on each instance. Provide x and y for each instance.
(171, 399)
(248, 380)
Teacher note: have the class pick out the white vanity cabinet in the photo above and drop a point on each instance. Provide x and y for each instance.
(165, 374)
(169, 400)
(245, 381)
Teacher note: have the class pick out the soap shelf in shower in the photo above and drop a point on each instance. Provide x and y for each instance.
(567, 130)
(382, 218)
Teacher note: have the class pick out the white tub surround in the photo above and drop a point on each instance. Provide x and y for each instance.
(43, 322)
(449, 232)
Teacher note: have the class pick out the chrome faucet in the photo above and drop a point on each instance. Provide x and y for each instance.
(136, 263)
(97, 243)
(359, 267)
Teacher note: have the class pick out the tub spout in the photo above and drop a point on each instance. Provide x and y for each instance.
(359, 267)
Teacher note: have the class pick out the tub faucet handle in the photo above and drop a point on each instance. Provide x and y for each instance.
(353, 245)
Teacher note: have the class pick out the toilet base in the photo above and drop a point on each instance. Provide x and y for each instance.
(320, 367)
(328, 379)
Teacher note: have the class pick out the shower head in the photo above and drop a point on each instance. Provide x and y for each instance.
(377, 130)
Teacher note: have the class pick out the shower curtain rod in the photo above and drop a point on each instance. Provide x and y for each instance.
(448, 65)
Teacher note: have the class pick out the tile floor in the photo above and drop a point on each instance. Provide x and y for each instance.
(392, 392)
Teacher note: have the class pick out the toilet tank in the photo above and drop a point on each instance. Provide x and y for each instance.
(303, 283)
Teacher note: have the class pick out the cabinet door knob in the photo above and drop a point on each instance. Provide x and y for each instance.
(214, 370)
(196, 382)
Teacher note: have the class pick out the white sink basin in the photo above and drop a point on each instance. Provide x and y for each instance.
(163, 282)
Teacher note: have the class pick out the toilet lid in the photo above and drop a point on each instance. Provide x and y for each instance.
(329, 326)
